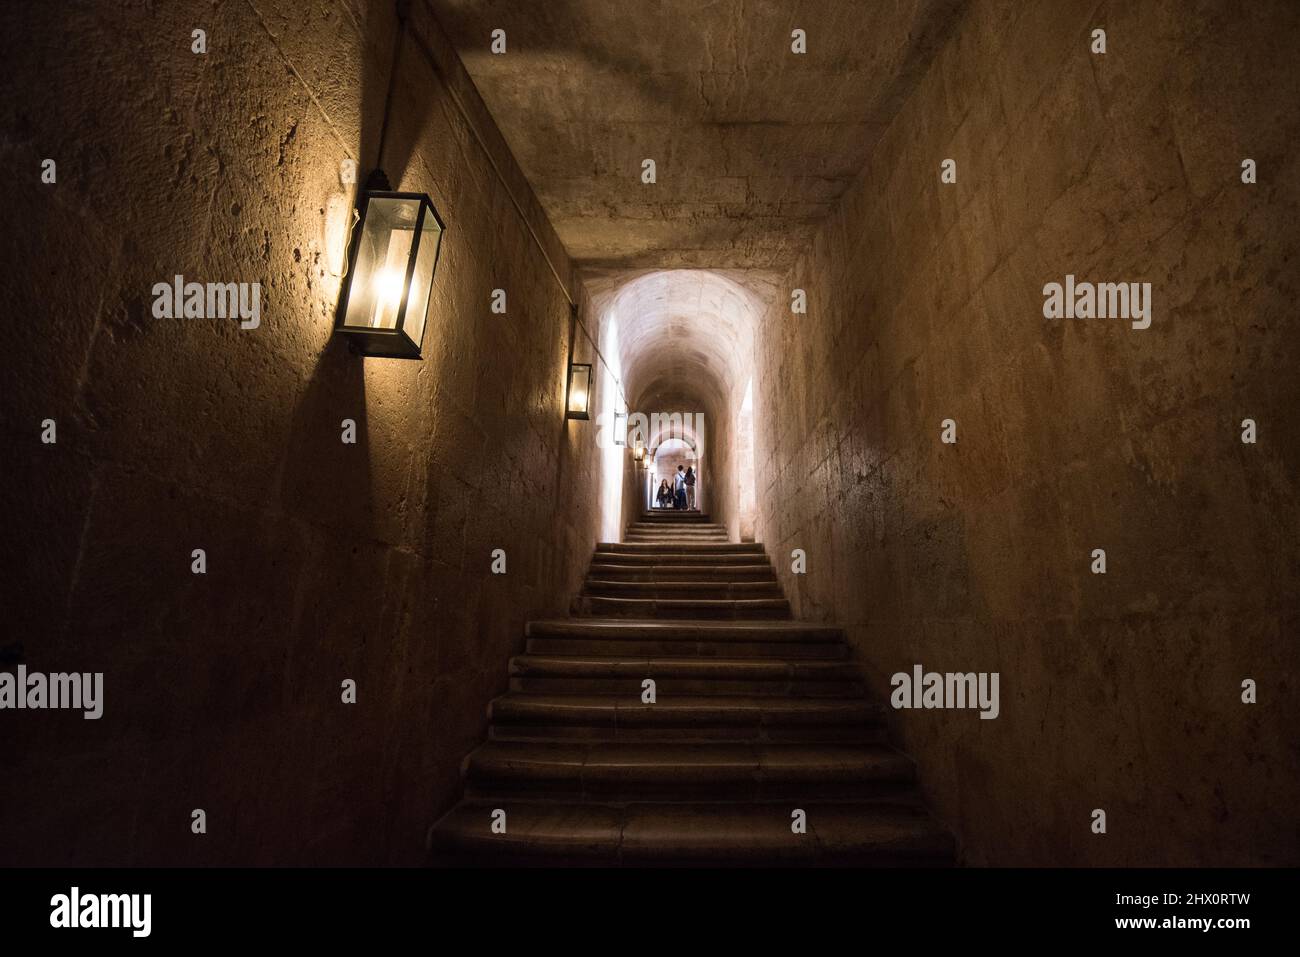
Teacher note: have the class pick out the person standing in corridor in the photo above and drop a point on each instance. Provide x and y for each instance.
(664, 498)
(690, 487)
(679, 488)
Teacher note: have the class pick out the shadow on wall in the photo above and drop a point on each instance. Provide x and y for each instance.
(327, 473)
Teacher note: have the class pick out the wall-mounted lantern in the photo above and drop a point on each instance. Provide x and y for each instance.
(579, 390)
(393, 258)
(620, 428)
(638, 454)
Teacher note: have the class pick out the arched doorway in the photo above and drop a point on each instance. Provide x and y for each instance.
(685, 347)
(665, 460)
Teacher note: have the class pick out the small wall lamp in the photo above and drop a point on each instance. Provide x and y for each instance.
(393, 257)
(620, 428)
(638, 454)
(579, 391)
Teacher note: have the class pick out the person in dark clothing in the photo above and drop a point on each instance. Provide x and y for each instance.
(665, 497)
(690, 487)
(679, 488)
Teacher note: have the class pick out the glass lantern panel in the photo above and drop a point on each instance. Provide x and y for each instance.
(379, 273)
(426, 258)
(579, 384)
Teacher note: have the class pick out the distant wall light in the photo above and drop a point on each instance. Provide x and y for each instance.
(638, 454)
(392, 261)
(579, 390)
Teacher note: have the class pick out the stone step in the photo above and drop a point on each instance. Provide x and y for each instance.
(677, 527)
(804, 735)
(600, 674)
(776, 671)
(656, 771)
(702, 534)
(647, 834)
(746, 631)
(713, 590)
(677, 557)
(691, 524)
(685, 639)
(681, 548)
(648, 540)
(612, 715)
(642, 540)
(631, 687)
(673, 516)
(687, 646)
(688, 608)
(689, 533)
(634, 572)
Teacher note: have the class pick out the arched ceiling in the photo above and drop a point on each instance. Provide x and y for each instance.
(753, 144)
(685, 335)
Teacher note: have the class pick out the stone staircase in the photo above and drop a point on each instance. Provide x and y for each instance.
(681, 569)
(755, 716)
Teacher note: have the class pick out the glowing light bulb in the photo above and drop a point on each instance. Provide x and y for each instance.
(388, 294)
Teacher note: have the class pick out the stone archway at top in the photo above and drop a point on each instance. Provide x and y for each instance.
(684, 333)
(685, 345)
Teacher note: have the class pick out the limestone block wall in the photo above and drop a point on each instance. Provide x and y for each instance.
(325, 561)
(1120, 691)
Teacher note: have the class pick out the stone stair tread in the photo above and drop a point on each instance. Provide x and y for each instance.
(646, 833)
(798, 649)
(752, 572)
(695, 760)
(681, 583)
(683, 629)
(628, 709)
(669, 589)
(663, 528)
(658, 667)
(679, 559)
(686, 547)
(655, 607)
(702, 531)
(702, 603)
(674, 540)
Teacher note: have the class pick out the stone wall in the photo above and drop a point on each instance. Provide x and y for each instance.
(1119, 691)
(721, 469)
(325, 561)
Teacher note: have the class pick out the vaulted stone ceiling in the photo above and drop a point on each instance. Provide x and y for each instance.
(752, 142)
(685, 335)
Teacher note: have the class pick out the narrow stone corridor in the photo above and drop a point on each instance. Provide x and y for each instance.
(756, 720)
(360, 361)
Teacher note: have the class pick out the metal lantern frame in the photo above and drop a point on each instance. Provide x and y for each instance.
(391, 343)
(576, 368)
